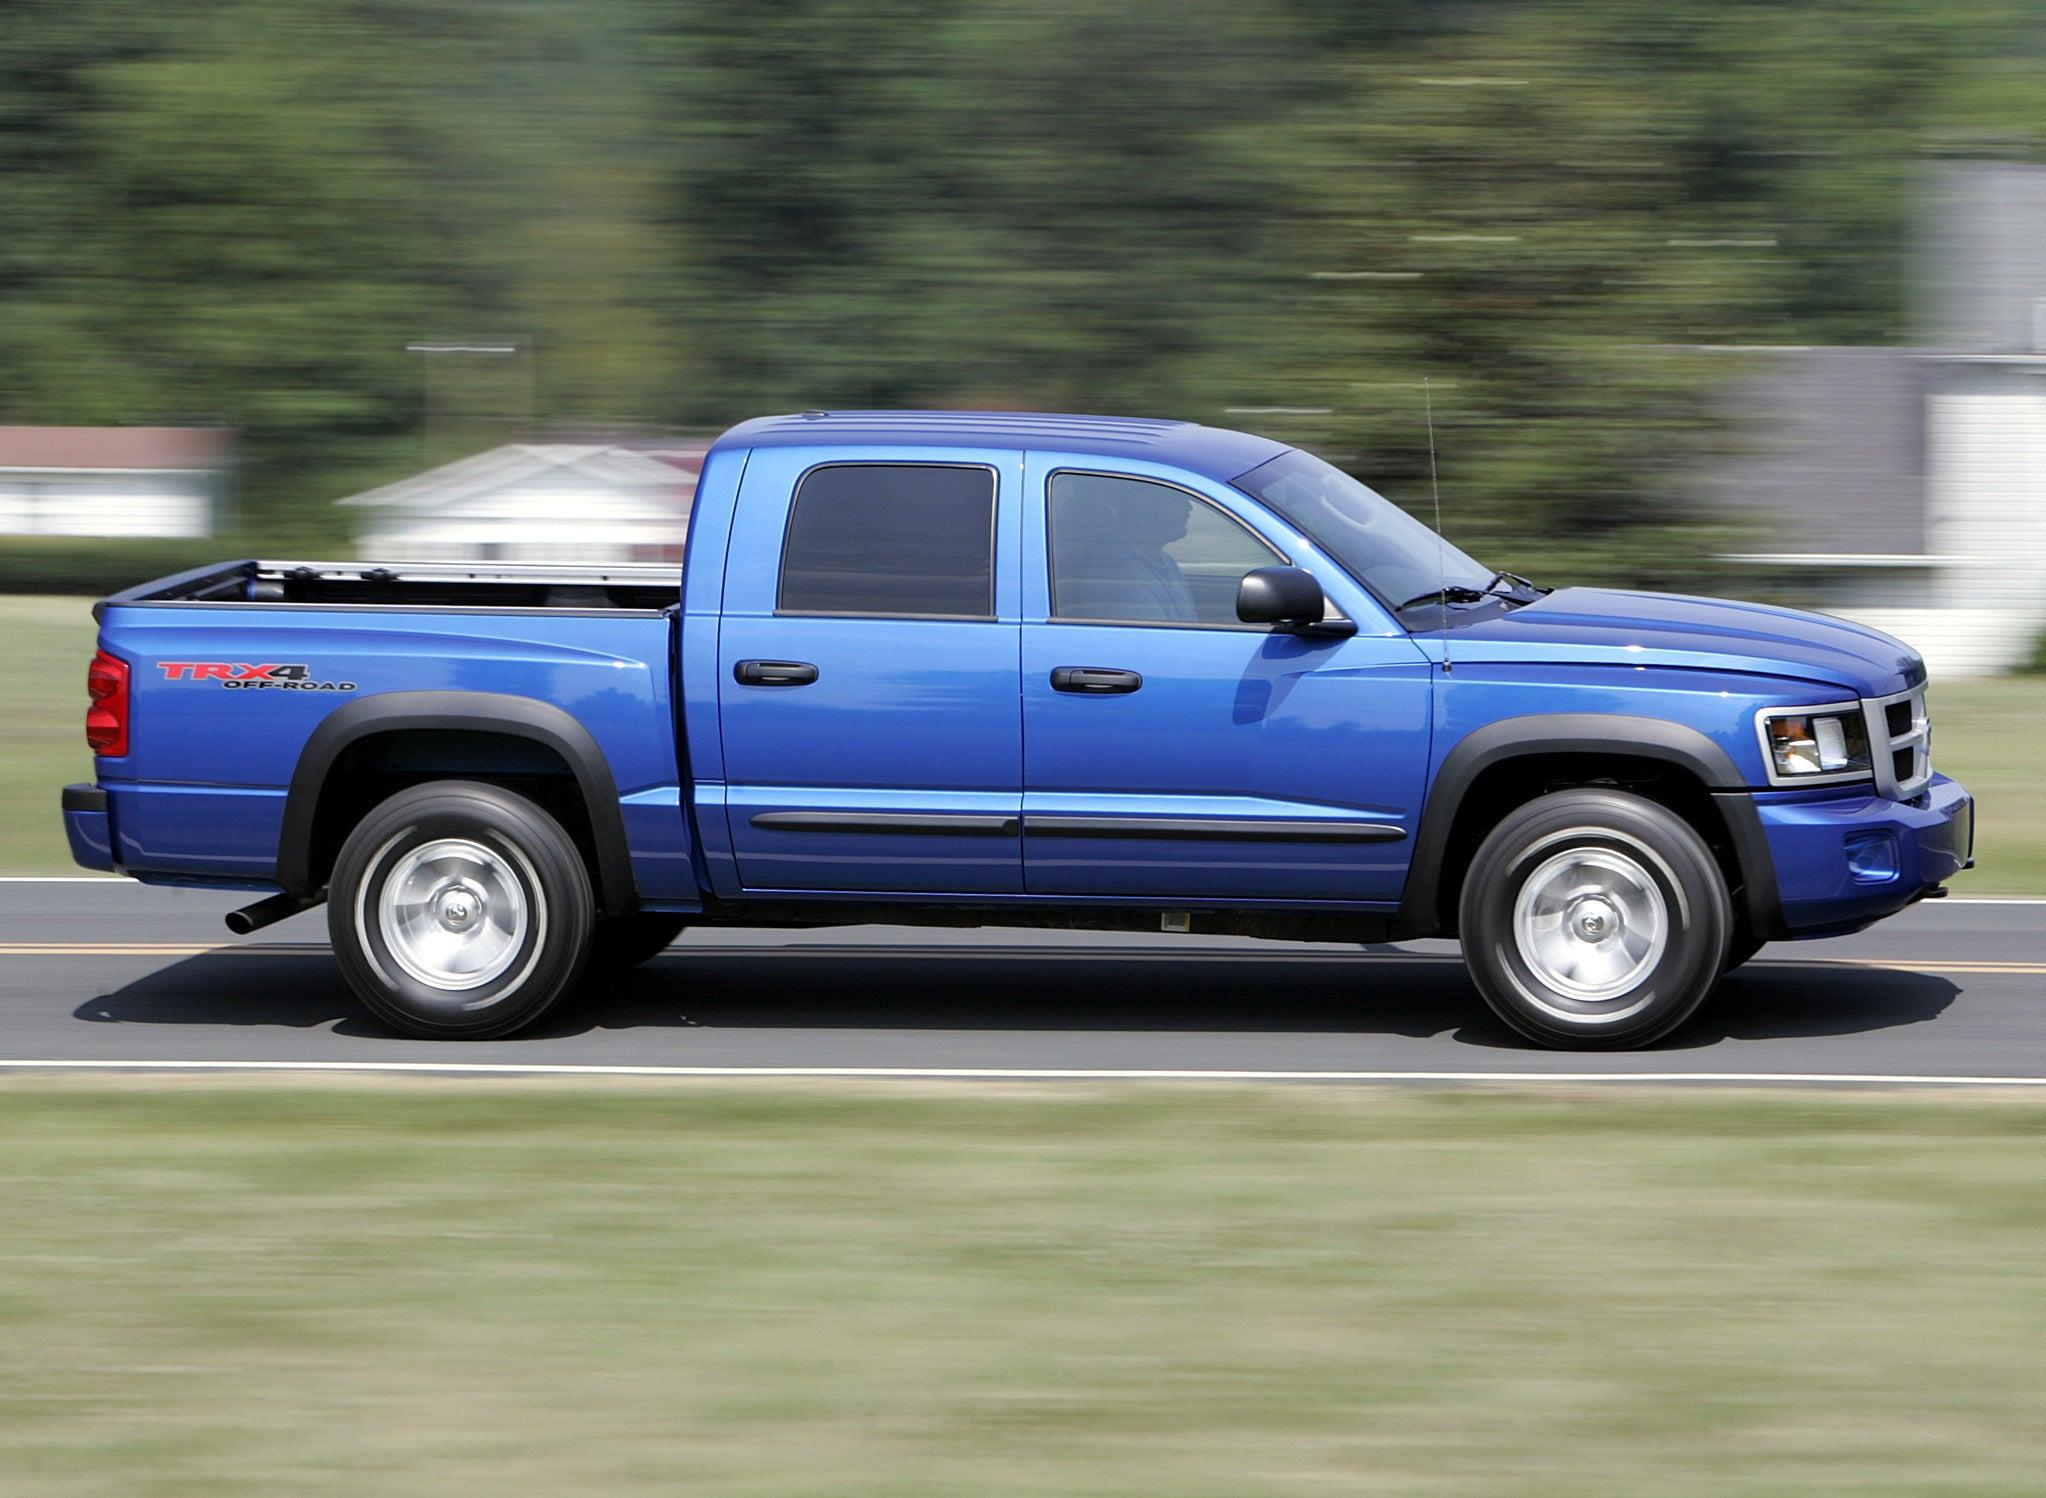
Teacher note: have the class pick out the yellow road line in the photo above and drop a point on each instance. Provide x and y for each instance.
(1066, 954)
(1954, 968)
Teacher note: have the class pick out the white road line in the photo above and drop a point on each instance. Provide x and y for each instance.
(1029, 1073)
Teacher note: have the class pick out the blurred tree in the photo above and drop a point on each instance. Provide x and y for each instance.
(242, 210)
(51, 54)
(1053, 202)
(245, 211)
(1541, 213)
(1809, 126)
(1504, 216)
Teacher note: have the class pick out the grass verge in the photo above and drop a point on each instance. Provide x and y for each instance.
(46, 643)
(444, 1289)
(1991, 736)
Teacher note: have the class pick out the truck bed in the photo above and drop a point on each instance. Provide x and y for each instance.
(417, 585)
(237, 668)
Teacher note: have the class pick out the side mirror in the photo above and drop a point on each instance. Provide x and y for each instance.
(1279, 595)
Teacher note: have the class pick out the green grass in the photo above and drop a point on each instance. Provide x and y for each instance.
(1991, 735)
(510, 1289)
(46, 644)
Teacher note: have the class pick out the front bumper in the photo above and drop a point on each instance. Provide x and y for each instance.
(1846, 858)
(89, 827)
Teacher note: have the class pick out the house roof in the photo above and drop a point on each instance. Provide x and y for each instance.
(1836, 464)
(1213, 451)
(671, 470)
(114, 449)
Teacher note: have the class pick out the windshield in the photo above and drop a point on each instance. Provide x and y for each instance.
(1378, 543)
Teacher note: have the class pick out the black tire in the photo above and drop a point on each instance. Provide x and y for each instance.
(1639, 869)
(622, 942)
(1742, 949)
(509, 882)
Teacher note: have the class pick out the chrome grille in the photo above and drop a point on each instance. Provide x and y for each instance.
(1900, 733)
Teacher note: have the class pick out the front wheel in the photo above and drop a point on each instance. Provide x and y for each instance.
(1594, 920)
(459, 910)
(1742, 949)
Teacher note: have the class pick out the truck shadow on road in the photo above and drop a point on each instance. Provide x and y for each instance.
(817, 987)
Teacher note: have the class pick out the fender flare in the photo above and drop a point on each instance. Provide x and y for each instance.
(1587, 733)
(489, 712)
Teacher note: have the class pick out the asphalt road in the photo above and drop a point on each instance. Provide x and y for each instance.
(107, 973)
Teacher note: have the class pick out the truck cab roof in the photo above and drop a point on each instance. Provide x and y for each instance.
(1213, 452)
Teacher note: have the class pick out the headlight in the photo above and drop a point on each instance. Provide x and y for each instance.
(1804, 743)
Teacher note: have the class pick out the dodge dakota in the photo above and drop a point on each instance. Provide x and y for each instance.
(981, 669)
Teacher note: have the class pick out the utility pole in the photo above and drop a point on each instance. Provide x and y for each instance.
(444, 416)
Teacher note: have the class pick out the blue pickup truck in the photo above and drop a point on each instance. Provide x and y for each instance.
(976, 669)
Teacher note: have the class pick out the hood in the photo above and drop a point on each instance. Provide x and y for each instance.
(1713, 634)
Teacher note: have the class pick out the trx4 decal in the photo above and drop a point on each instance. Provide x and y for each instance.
(244, 675)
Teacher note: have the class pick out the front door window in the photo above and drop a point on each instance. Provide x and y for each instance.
(1129, 551)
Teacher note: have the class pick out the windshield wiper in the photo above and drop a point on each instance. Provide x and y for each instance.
(1498, 585)
(1492, 585)
(1454, 593)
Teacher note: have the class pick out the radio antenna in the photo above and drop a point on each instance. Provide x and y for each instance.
(1441, 546)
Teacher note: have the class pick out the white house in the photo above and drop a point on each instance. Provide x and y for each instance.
(538, 502)
(1906, 487)
(110, 481)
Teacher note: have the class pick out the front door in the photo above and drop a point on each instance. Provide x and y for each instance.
(867, 670)
(1172, 752)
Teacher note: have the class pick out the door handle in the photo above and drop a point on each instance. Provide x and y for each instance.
(775, 673)
(1094, 681)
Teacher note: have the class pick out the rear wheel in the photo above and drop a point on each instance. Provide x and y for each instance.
(1594, 919)
(459, 910)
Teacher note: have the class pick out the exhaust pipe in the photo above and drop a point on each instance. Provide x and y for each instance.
(267, 912)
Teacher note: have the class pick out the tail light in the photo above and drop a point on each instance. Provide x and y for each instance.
(106, 721)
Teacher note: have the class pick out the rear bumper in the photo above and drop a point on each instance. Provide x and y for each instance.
(89, 827)
(1842, 861)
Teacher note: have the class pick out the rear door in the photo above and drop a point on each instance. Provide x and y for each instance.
(868, 673)
(1173, 752)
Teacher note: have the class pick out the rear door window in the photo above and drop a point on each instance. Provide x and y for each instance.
(891, 540)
